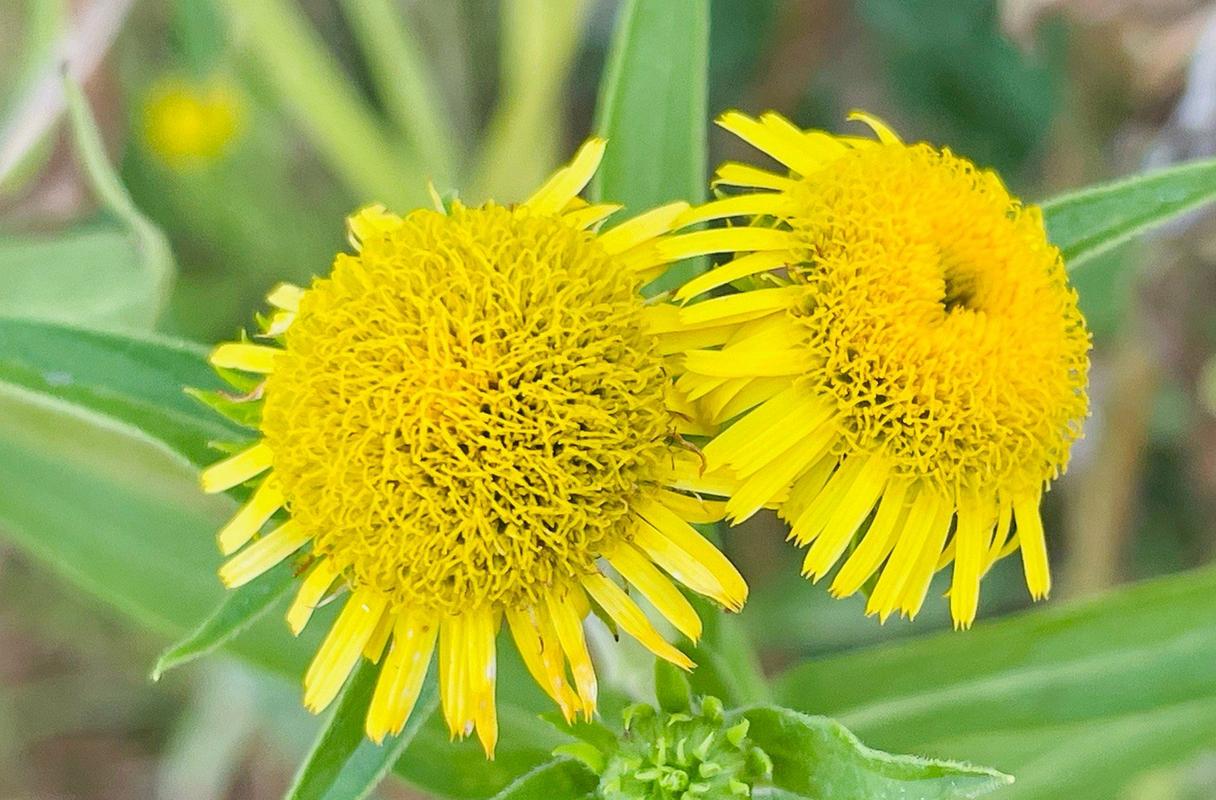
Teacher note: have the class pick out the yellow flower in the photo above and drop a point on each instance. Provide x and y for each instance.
(906, 369)
(466, 421)
(187, 124)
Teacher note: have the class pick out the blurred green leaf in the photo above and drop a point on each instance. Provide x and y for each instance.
(1073, 700)
(559, 779)
(344, 764)
(404, 83)
(240, 608)
(817, 757)
(293, 59)
(1089, 222)
(523, 140)
(952, 64)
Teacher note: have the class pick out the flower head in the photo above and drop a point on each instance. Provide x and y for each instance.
(907, 370)
(464, 422)
(188, 124)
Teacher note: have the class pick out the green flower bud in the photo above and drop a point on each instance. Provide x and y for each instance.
(683, 756)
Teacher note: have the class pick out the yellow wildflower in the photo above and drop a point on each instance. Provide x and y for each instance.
(906, 370)
(188, 124)
(466, 421)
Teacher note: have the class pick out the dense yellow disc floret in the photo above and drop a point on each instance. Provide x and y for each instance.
(939, 319)
(466, 408)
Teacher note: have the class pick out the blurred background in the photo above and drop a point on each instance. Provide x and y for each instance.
(247, 167)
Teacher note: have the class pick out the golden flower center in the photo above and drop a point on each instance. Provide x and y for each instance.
(940, 318)
(466, 408)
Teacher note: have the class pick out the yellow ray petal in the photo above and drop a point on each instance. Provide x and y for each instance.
(1000, 534)
(369, 222)
(697, 547)
(568, 625)
(762, 364)
(636, 568)
(246, 357)
(807, 487)
(747, 176)
(880, 128)
(742, 267)
(252, 516)
(626, 613)
(702, 243)
(696, 510)
(1034, 545)
(263, 554)
(785, 144)
(310, 594)
(854, 506)
(789, 432)
(568, 181)
(811, 522)
(340, 651)
(742, 205)
(971, 540)
(641, 229)
(401, 678)
(285, 296)
(917, 585)
(877, 542)
(587, 216)
(237, 469)
(542, 655)
(909, 542)
(725, 405)
(453, 675)
(688, 473)
(726, 446)
(765, 484)
(374, 648)
(483, 672)
(743, 306)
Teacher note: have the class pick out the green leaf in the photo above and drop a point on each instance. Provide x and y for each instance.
(817, 757)
(344, 764)
(1091, 221)
(133, 381)
(652, 105)
(652, 110)
(1074, 699)
(559, 779)
(240, 609)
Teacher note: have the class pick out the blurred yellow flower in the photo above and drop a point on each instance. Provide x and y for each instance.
(190, 124)
(465, 422)
(906, 371)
